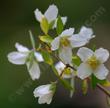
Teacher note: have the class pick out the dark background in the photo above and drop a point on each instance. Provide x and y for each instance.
(16, 18)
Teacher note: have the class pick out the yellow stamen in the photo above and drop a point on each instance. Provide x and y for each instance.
(64, 42)
(93, 62)
(67, 71)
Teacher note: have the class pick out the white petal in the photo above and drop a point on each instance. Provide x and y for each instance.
(67, 32)
(86, 33)
(34, 70)
(64, 20)
(38, 15)
(45, 99)
(84, 53)
(102, 54)
(21, 48)
(84, 71)
(49, 100)
(101, 72)
(17, 58)
(65, 55)
(60, 67)
(38, 57)
(42, 90)
(77, 41)
(55, 43)
(51, 13)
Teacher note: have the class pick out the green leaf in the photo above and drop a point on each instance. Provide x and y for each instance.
(44, 25)
(66, 84)
(51, 24)
(84, 87)
(60, 26)
(95, 81)
(76, 60)
(47, 57)
(46, 39)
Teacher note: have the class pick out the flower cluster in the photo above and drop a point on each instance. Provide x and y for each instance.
(58, 52)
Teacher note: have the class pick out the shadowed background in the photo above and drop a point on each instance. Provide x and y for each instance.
(16, 18)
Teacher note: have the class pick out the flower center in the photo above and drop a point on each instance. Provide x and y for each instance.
(93, 62)
(67, 71)
(64, 41)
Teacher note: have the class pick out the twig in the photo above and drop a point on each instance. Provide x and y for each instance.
(68, 65)
(103, 89)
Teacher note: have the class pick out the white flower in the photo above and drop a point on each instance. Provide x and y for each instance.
(92, 63)
(25, 56)
(62, 42)
(66, 41)
(60, 67)
(45, 93)
(50, 14)
(82, 38)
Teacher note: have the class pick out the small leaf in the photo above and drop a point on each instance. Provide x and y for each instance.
(60, 26)
(51, 24)
(44, 25)
(46, 39)
(106, 83)
(95, 81)
(76, 60)
(66, 84)
(84, 87)
(47, 57)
